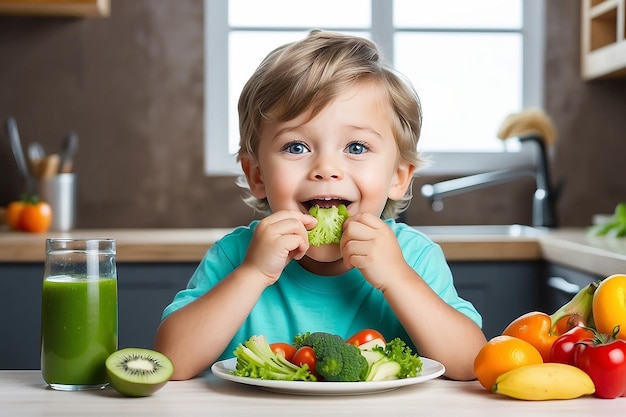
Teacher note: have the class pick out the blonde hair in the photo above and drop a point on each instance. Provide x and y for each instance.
(308, 75)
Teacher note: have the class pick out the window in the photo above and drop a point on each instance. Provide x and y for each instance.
(472, 64)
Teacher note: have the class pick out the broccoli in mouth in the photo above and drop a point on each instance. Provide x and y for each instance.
(329, 224)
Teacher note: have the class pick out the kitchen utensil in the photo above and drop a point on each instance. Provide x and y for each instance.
(49, 166)
(67, 153)
(35, 154)
(18, 152)
(36, 151)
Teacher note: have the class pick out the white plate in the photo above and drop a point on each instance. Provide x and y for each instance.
(430, 369)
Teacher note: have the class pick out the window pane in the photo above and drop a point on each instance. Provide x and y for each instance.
(289, 13)
(458, 14)
(246, 51)
(467, 83)
(464, 57)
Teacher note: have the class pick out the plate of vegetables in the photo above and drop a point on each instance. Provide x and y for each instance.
(321, 363)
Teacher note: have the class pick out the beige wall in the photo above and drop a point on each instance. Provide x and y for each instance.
(132, 85)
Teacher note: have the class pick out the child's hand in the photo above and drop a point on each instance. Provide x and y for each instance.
(371, 246)
(278, 238)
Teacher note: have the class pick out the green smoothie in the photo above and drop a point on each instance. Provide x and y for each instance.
(78, 329)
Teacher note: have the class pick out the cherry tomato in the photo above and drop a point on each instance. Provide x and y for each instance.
(365, 336)
(563, 348)
(303, 355)
(286, 349)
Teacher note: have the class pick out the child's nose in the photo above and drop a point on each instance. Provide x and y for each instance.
(326, 168)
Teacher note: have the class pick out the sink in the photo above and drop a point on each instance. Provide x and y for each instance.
(481, 230)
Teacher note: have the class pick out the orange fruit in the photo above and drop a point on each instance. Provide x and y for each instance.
(609, 305)
(501, 354)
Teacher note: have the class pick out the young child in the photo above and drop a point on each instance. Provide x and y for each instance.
(324, 121)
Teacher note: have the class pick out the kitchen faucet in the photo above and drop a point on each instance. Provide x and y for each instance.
(543, 199)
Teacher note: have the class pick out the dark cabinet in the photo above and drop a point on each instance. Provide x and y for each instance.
(563, 283)
(20, 315)
(500, 291)
(143, 292)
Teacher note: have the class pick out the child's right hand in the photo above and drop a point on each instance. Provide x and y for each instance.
(278, 238)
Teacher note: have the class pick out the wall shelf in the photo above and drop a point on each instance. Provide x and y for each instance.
(77, 8)
(603, 44)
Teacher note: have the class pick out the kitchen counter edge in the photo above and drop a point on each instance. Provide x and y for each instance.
(569, 247)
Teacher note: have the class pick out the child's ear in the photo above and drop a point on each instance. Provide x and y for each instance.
(252, 171)
(401, 180)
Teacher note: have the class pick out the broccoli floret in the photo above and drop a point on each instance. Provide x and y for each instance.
(300, 339)
(336, 359)
(255, 359)
(329, 225)
(395, 360)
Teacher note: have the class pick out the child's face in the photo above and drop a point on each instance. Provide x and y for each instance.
(347, 155)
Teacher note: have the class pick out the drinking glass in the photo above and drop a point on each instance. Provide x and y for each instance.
(79, 312)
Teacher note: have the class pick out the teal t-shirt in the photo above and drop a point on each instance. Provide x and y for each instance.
(301, 301)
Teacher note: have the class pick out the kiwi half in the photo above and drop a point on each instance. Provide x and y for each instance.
(137, 372)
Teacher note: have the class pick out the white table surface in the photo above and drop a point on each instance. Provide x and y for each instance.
(23, 393)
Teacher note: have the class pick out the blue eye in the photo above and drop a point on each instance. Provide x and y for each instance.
(357, 148)
(295, 148)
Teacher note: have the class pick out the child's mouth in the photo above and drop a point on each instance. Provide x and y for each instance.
(325, 202)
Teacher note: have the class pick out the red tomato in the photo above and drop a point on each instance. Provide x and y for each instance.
(562, 350)
(365, 336)
(303, 355)
(603, 358)
(285, 349)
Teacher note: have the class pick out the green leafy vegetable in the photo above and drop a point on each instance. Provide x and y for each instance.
(255, 359)
(394, 360)
(329, 224)
(615, 227)
(336, 359)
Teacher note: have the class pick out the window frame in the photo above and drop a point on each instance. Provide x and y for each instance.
(218, 161)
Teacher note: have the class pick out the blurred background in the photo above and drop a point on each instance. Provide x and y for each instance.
(132, 85)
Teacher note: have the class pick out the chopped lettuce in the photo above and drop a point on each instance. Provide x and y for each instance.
(393, 360)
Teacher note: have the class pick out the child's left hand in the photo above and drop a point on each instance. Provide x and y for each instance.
(368, 244)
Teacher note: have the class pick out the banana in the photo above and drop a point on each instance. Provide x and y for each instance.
(545, 381)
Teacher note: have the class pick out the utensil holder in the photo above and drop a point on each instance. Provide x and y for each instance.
(60, 192)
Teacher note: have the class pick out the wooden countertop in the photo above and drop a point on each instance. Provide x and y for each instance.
(569, 247)
(23, 393)
(133, 245)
